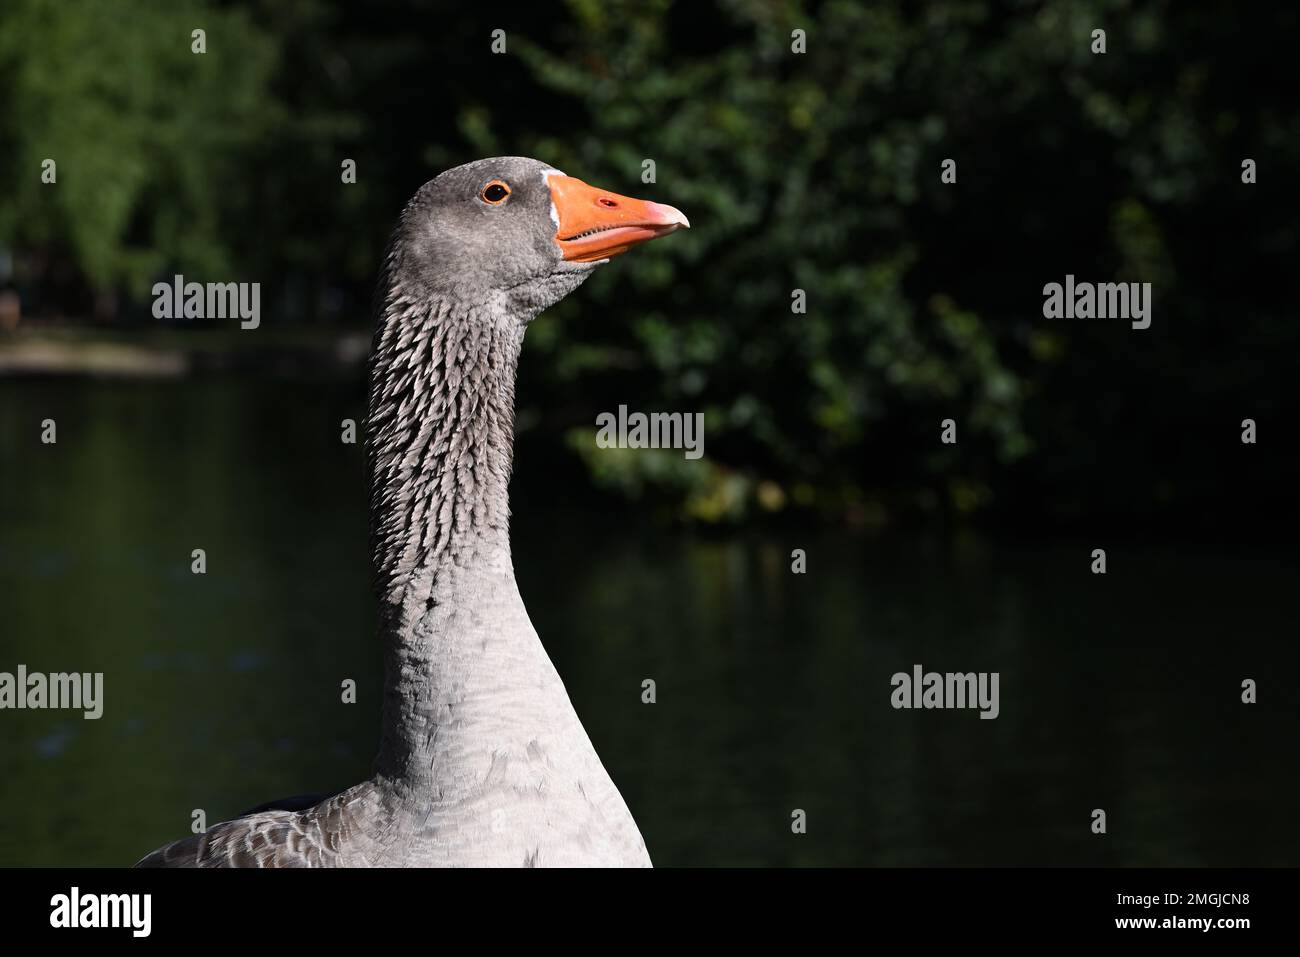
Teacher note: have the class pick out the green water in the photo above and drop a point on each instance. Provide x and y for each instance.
(222, 690)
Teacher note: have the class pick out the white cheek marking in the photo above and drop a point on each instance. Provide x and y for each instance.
(546, 178)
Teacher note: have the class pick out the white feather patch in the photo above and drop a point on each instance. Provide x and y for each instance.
(546, 178)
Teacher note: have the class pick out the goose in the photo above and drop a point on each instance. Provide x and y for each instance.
(482, 759)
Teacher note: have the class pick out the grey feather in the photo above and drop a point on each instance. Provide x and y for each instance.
(483, 761)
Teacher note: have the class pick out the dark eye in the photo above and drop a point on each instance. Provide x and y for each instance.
(494, 192)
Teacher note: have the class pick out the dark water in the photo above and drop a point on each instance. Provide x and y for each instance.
(1119, 692)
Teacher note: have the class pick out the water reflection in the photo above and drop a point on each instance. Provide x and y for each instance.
(223, 690)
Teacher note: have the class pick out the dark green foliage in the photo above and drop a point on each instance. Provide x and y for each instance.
(818, 171)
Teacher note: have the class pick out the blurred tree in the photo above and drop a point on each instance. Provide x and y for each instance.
(146, 134)
(798, 171)
(816, 171)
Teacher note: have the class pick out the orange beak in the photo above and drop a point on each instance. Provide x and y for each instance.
(597, 224)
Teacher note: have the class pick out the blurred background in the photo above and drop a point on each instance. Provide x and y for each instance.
(817, 172)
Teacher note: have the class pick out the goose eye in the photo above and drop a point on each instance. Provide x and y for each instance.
(494, 193)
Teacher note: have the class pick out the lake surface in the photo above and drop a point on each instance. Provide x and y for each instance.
(1120, 692)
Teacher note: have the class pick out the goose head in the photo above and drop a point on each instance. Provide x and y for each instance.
(516, 235)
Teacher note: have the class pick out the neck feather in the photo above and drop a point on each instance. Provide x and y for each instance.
(440, 444)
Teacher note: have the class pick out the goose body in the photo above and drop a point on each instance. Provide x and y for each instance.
(483, 760)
